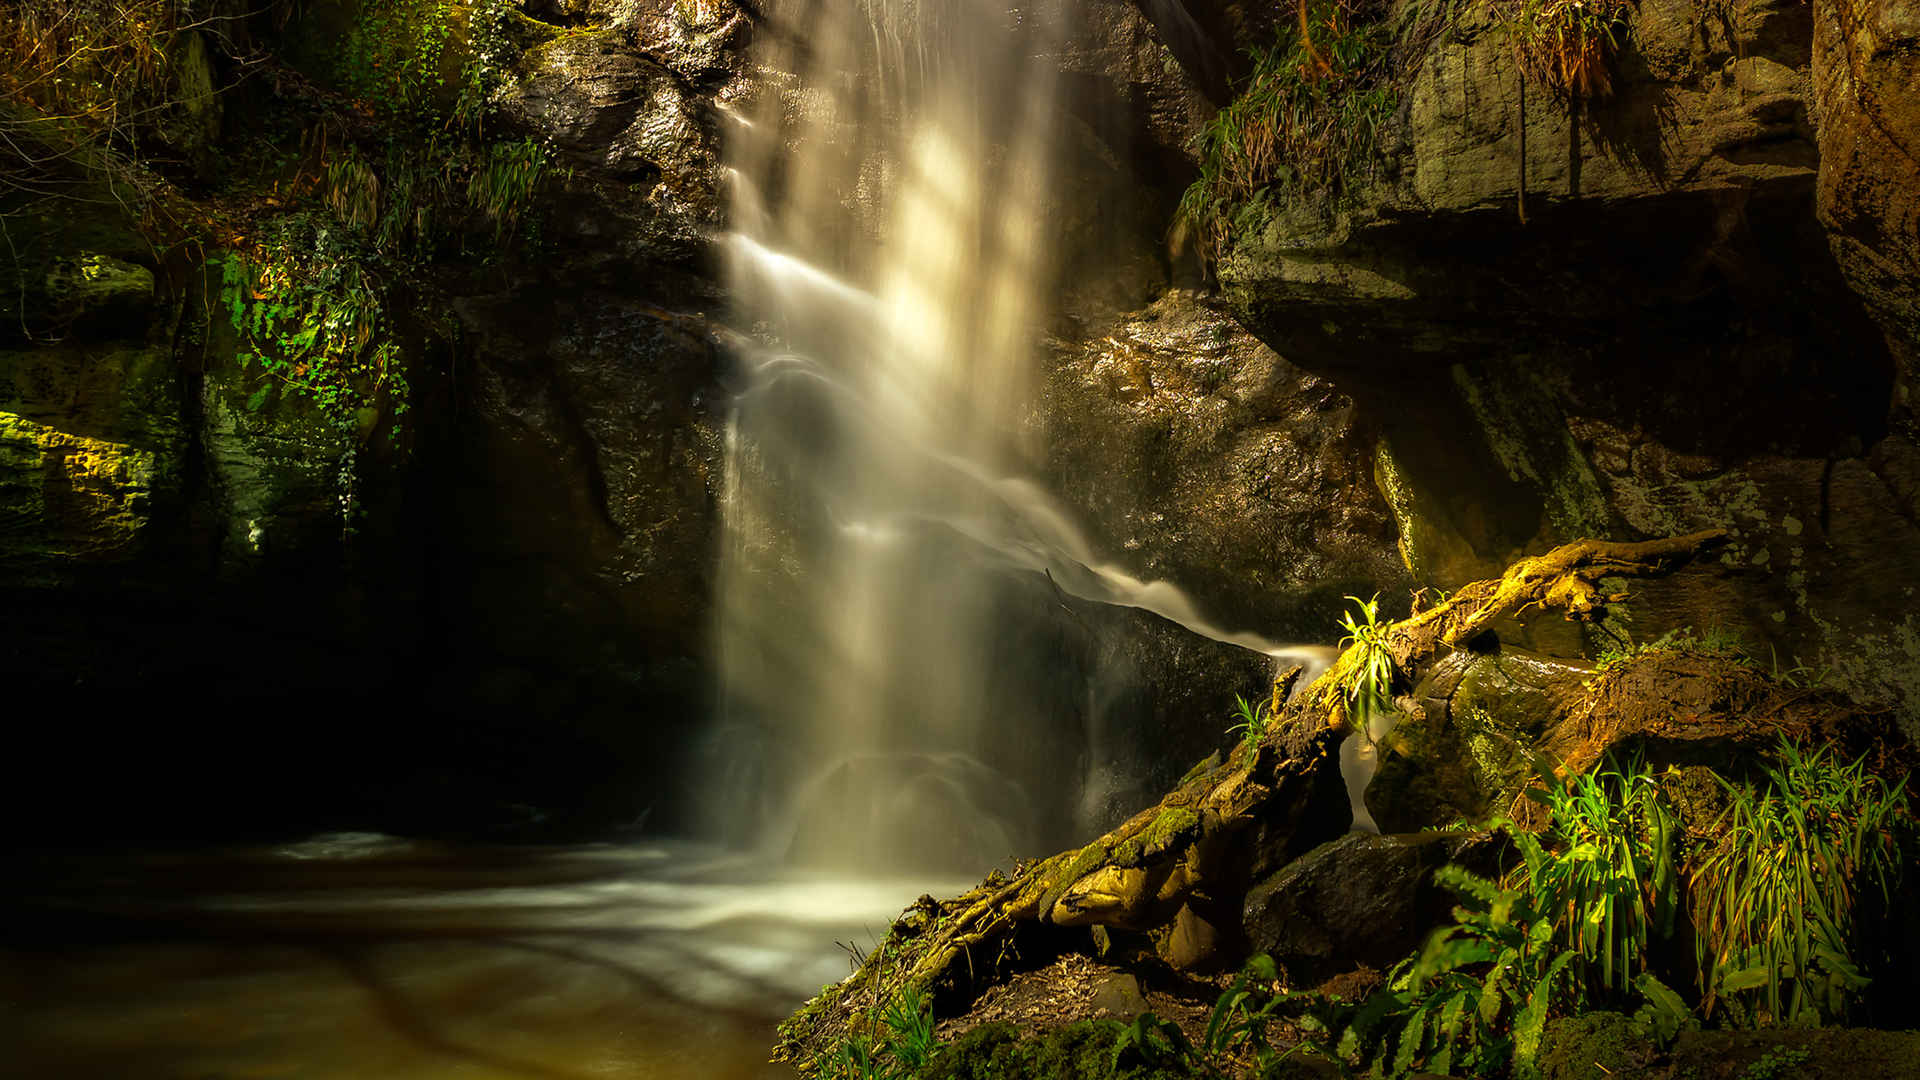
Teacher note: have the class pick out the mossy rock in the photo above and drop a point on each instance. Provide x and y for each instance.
(1799, 1054)
(1467, 752)
(1594, 1045)
(1082, 1051)
(1605, 1044)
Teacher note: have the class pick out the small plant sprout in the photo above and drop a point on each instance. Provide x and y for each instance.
(1254, 718)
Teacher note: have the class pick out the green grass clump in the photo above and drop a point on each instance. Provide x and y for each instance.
(1774, 897)
(1254, 716)
(1613, 869)
(1311, 117)
(902, 1043)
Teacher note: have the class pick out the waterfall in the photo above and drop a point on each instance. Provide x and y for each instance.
(890, 262)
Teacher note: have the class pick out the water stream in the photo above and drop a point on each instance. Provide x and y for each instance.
(891, 256)
(356, 956)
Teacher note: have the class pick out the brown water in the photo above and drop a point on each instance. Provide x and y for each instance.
(361, 957)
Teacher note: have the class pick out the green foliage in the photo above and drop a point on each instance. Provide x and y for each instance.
(1158, 1043)
(1480, 992)
(1612, 874)
(490, 51)
(306, 304)
(1714, 641)
(905, 1046)
(1572, 924)
(1254, 719)
(908, 1018)
(309, 298)
(1240, 1028)
(1370, 687)
(392, 56)
(1773, 899)
(1311, 116)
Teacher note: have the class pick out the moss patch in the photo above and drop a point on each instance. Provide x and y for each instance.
(1171, 828)
(1594, 1045)
(1082, 1051)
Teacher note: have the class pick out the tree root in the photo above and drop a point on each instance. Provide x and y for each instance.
(1191, 852)
(1567, 578)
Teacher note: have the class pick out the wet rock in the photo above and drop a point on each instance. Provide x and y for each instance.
(629, 107)
(1466, 752)
(594, 458)
(1363, 899)
(1864, 71)
(1529, 382)
(92, 455)
(1119, 993)
(1196, 454)
(598, 96)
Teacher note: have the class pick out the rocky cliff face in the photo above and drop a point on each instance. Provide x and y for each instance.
(1677, 307)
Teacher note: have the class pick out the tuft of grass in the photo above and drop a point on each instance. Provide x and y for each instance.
(1254, 718)
(1566, 46)
(503, 184)
(1774, 898)
(1612, 885)
(904, 1045)
(1311, 116)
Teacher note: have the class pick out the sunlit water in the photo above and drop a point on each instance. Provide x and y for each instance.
(369, 958)
(892, 263)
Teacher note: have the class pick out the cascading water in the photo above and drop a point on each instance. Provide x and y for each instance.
(890, 258)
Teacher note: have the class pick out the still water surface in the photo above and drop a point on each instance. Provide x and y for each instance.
(364, 957)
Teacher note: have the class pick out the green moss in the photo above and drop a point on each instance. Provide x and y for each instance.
(1821, 1054)
(1399, 496)
(1081, 1051)
(1594, 1045)
(1083, 862)
(1171, 828)
(1523, 426)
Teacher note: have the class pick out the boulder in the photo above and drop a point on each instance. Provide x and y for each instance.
(1196, 454)
(1466, 750)
(1363, 899)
